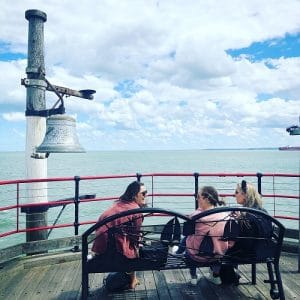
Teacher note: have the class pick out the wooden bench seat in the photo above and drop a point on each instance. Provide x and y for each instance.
(162, 229)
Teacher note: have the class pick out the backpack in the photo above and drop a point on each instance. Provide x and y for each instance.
(117, 281)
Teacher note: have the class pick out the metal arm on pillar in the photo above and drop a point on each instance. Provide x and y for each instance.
(60, 130)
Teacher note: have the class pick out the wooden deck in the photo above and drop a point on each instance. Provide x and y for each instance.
(59, 277)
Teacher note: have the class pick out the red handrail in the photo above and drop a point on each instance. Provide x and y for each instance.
(154, 194)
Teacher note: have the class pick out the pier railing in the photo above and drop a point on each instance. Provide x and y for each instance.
(76, 202)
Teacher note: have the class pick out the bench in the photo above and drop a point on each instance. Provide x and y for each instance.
(162, 229)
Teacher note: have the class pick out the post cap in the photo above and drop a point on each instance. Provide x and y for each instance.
(35, 13)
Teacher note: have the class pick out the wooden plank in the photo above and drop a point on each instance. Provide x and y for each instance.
(36, 291)
(201, 291)
(247, 288)
(96, 284)
(149, 286)
(72, 284)
(60, 283)
(8, 281)
(177, 285)
(63, 281)
(140, 290)
(161, 285)
(27, 285)
(207, 290)
(75, 281)
(290, 280)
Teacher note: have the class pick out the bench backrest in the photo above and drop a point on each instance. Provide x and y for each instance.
(162, 225)
(254, 234)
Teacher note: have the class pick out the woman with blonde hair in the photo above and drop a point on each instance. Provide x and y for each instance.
(247, 195)
(250, 226)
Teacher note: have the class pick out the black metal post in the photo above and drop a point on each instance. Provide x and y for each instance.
(76, 203)
(259, 176)
(196, 175)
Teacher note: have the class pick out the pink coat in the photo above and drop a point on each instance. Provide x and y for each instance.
(215, 229)
(124, 245)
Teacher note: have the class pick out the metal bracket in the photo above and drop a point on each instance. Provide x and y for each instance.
(33, 83)
(46, 112)
(58, 90)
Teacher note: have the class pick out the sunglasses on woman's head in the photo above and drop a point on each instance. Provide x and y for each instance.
(244, 186)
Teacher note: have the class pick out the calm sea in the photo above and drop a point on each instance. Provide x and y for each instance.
(12, 166)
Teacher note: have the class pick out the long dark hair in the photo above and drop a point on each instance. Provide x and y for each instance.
(211, 194)
(131, 191)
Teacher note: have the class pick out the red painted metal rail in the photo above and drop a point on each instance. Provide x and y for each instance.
(280, 194)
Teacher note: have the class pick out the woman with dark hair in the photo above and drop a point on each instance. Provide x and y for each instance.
(133, 197)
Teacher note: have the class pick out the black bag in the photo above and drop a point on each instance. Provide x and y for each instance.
(207, 246)
(154, 256)
(117, 281)
(171, 232)
(231, 230)
(228, 275)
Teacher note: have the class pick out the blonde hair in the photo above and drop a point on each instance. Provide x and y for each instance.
(253, 198)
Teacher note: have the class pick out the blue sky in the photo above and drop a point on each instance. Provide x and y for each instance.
(168, 74)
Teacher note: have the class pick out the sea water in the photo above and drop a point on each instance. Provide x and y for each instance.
(12, 166)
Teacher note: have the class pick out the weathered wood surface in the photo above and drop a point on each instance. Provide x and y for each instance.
(59, 277)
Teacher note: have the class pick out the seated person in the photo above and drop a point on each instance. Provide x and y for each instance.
(134, 197)
(210, 225)
(249, 226)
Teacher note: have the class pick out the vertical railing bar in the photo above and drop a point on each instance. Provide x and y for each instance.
(76, 217)
(196, 176)
(152, 190)
(299, 221)
(259, 176)
(18, 203)
(274, 197)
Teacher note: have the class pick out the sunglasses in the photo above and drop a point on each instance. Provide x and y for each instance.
(144, 193)
(244, 186)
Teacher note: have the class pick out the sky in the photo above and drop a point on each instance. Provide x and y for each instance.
(172, 74)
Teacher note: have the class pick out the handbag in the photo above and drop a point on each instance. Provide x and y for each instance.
(207, 246)
(117, 281)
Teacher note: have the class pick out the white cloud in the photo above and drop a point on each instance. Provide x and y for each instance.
(14, 116)
(189, 91)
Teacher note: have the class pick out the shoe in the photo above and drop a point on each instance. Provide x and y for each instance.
(214, 278)
(195, 280)
(174, 249)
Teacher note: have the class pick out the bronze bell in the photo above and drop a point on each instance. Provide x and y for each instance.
(60, 136)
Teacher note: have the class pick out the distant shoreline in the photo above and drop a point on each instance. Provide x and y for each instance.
(137, 150)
